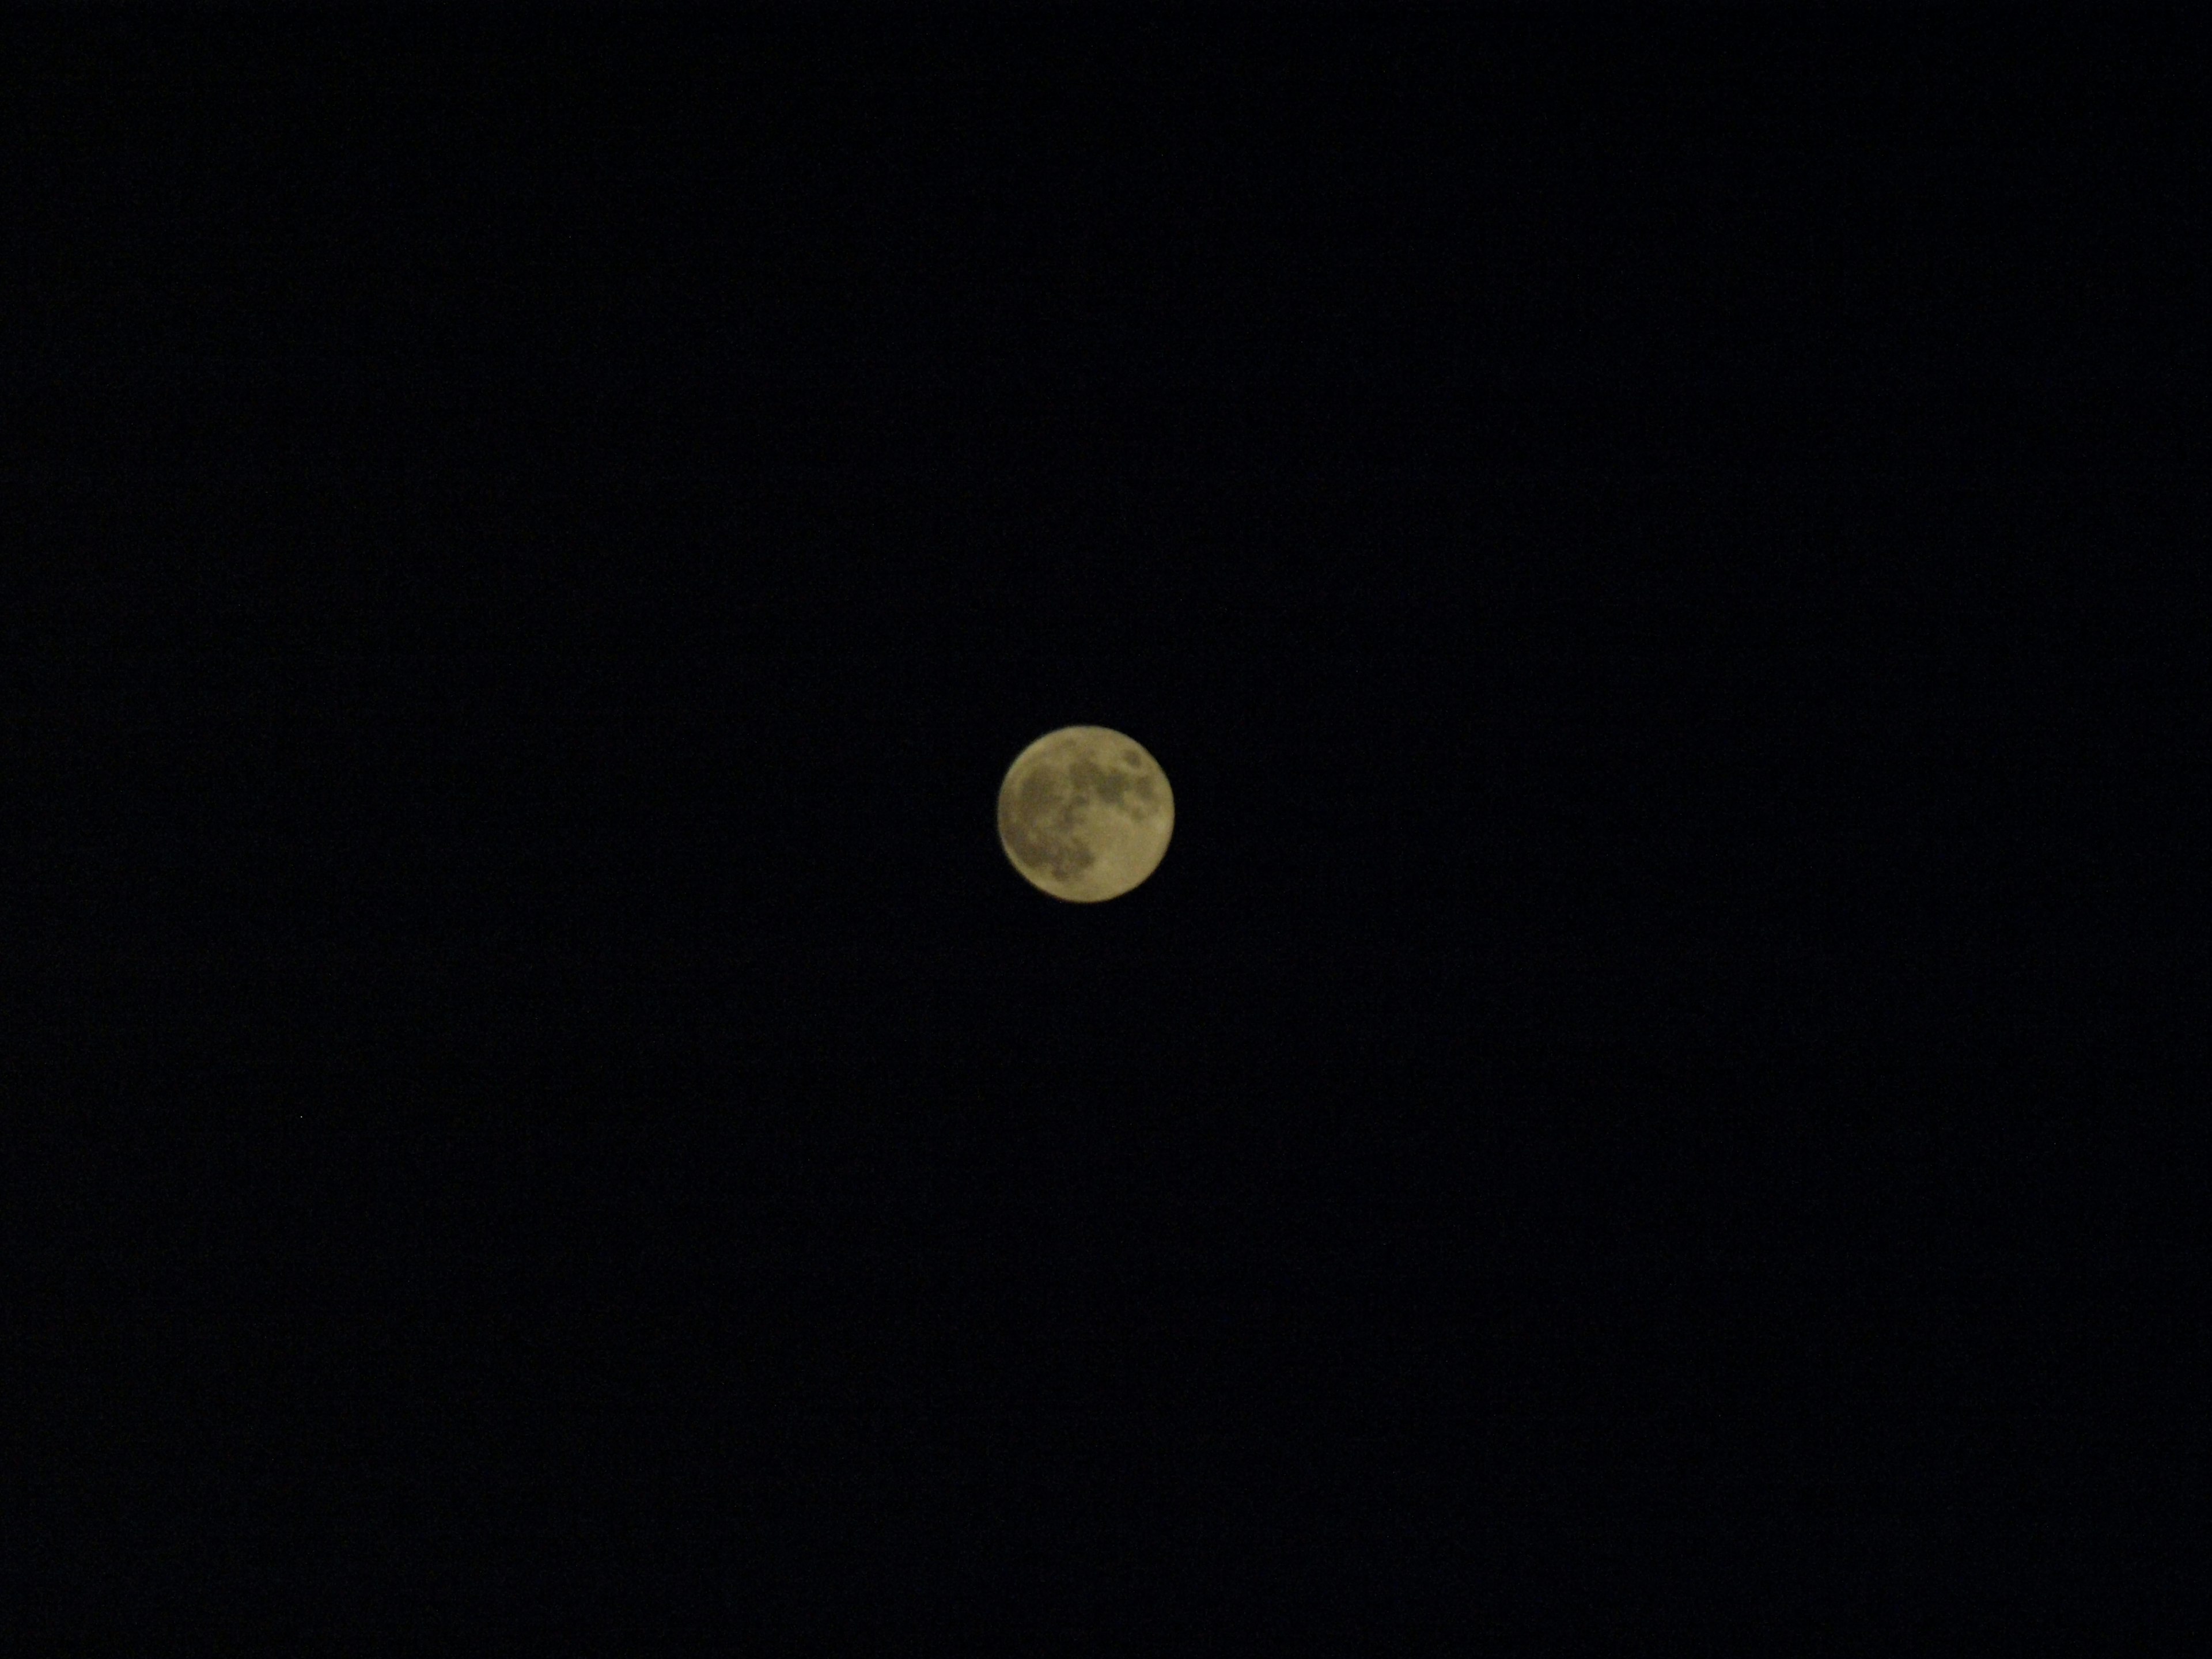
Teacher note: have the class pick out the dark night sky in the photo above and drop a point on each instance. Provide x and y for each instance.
(1650, 554)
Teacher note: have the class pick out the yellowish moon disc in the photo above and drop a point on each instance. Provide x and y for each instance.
(1084, 813)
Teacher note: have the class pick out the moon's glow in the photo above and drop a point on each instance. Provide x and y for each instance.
(1084, 813)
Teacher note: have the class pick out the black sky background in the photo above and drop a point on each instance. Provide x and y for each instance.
(1654, 557)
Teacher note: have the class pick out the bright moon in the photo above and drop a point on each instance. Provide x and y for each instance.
(1085, 814)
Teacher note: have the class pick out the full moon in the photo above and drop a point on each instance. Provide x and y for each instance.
(1085, 814)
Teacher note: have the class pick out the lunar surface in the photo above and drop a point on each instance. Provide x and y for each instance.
(1085, 814)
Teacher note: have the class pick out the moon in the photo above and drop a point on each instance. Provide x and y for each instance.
(1085, 814)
